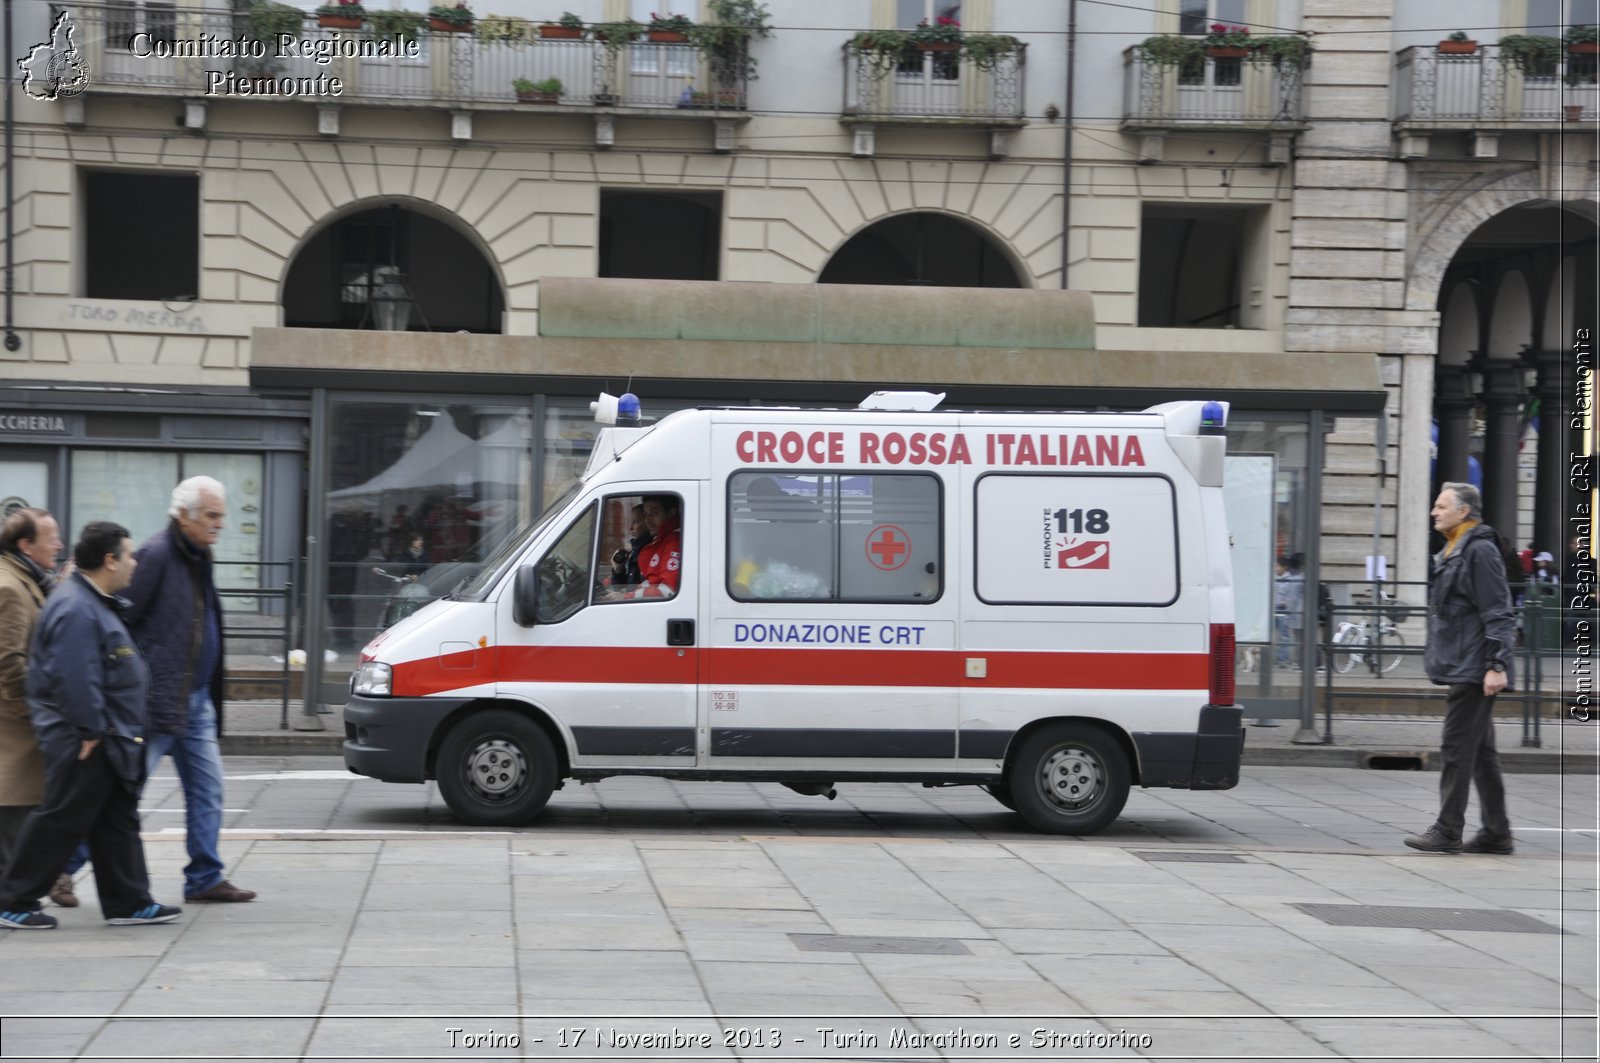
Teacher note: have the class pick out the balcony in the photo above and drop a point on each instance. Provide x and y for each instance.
(932, 88)
(149, 50)
(1208, 93)
(1483, 92)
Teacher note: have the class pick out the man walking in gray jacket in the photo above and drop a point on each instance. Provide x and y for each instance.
(1471, 633)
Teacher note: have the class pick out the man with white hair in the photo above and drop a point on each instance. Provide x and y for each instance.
(175, 616)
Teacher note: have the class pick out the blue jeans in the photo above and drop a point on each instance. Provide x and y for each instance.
(198, 758)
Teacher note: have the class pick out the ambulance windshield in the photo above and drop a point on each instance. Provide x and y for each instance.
(506, 553)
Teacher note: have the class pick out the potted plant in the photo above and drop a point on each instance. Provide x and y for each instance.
(1532, 55)
(668, 29)
(341, 15)
(985, 51)
(1572, 112)
(1173, 50)
(1584, 40)
(725, 43)
(569, 27)
(941, 35)
(402, 25)
(503, 28)
(445, 19)
(547, 91)
(1228, 42)
(266, 21)
(616, 34)
(1458, 43)
(1288, 51)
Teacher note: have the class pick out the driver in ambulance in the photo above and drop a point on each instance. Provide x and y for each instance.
(661, 559)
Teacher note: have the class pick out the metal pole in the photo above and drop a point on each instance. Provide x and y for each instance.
(1316, 448)
(13, 342)
(316, 575)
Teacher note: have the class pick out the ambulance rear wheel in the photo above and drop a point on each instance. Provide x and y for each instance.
(1069, 779)
(496, 769)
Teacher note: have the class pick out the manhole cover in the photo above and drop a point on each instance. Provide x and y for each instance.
(1428, 918)
(907, 946)
(1190, 858)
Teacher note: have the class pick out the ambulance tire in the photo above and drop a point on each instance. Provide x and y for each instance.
(1069, 778)
(496, 769)
(1002, 793)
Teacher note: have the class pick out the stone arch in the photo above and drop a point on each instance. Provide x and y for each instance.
(886, 237)
(440, 227)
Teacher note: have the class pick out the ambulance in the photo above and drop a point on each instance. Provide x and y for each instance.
(1039, 604)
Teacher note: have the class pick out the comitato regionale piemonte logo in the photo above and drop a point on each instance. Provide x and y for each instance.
(55, 69)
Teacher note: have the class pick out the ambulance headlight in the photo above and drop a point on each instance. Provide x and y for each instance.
(373, 679)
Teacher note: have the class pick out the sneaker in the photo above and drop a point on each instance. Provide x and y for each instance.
(150, 913)
(27, 920)
(62, 894)
(1434, 840)
(223, 892)
(1484, 842)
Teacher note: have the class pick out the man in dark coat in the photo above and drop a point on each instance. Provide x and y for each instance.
(176, 618)
(86, 697)
(1471, 634)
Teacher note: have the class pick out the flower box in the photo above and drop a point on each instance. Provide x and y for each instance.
(538, 97)
(1584, 48)
(556, 31)
(666, 37)
(1458, 47)
(1227, 51)
(439, 25)
(938, 46)
(339, 22)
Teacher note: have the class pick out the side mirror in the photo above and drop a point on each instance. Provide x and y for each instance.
(525, 596)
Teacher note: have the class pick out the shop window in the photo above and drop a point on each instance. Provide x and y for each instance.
(141, 235)
(800, 536)
(1201, 267)
(660, 235)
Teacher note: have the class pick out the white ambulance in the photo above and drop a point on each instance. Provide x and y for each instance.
(1036, 603)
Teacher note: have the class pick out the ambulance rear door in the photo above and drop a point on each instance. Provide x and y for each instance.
(616, 666)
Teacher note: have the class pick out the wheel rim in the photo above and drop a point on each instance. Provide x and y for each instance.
(496, 770)
(1072, 778)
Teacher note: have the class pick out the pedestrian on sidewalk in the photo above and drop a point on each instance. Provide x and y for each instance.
(30, 544)
(175, 615)
(1471, 633)
(86, 698)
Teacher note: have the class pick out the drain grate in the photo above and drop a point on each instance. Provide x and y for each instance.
(1190, 858)
(1428, 918)
(900, 946)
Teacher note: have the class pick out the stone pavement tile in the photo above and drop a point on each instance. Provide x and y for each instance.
(281, 864)
(664, 1036)
(600, 976)
(283, 887)
(1134, 904)
(439, 875)
(1200, 943)
(433, 954)
(208, 962)
(1109, 974)
(1553, 1035)
(468, 851)
(711, 892)
(912, 928)
(650, 933)
(740, 979)
(199, 1037)
(1301, 998)
(1371, 945)
(762, 876)
(382, 1034)
(436, 896)
(79, 934)
(584, 895)
(1380, 1036)
(72, 974)
(469, 930)
(738, 919)
(161, 995)
(442, 986)
(1219, 1038)
(61, 1002)
(584, 1012)
(52, 1038)
(1079, 942)
(334, 914)
(959, 994)
(753, 947)
(1424, 896)
(316, 845)
(1139, 1000)
(1507, 989)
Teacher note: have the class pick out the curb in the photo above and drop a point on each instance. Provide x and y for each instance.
(284, 744)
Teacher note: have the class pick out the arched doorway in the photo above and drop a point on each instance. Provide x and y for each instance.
(1510, 302)
(922, 247)
(396, 268)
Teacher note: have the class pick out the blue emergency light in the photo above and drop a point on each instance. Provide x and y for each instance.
(1213, 419)
(627, 407)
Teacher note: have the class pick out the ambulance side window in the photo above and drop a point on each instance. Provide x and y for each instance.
(564, 577)
(804, 536)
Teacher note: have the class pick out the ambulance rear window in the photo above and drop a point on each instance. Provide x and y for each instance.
(1065, 539)
(836, 537)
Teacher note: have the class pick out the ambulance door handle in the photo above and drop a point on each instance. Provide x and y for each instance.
(680, 632)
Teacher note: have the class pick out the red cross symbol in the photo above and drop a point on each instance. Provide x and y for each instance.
(889, 546)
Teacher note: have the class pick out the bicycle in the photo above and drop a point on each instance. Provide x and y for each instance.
(1382, 648)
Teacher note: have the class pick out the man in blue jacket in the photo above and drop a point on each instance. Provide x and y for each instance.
(1471, 635)
(86, 697)
(176, 618)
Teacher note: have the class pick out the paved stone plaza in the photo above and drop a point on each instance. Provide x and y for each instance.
(674, 921)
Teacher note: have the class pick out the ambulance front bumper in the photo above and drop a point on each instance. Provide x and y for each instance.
(388, 738)
(1208, 759)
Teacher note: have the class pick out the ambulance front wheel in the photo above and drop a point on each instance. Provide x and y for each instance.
(1069, 779)
(496, 769)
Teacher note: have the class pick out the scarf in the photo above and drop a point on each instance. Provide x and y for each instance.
(45, 580)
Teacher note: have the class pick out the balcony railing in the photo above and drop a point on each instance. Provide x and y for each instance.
(1208, 91)
(444, 68)
(933, 85)
(1483, 89)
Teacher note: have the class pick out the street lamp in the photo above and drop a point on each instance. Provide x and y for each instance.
(391, 300)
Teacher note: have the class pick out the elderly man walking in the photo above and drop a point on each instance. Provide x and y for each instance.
(30, 543)
(1471, 634)
(176, 618)
(86, 697)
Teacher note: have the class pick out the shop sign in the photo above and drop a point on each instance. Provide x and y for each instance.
(33, 423)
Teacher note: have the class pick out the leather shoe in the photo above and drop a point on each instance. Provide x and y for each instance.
(62, 894)
(1484, 842)
(223, 892)
(1434, 840)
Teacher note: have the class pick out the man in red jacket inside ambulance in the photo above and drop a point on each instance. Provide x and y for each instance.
(661, 559)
